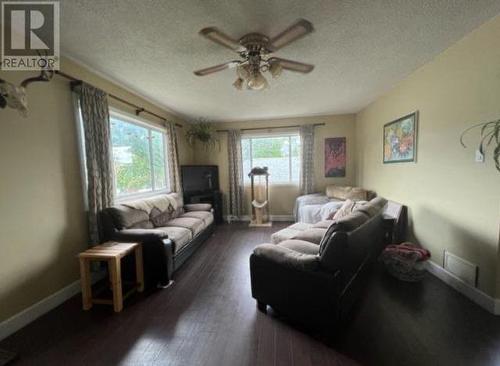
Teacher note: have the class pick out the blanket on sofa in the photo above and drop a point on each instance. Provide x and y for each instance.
(160, 202)
(307, 200)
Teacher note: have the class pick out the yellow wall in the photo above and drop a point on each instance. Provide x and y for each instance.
(282, 197)
(454, 202)
(43, 225)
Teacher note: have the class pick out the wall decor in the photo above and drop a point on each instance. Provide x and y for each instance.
(335, 157)
(400, 139)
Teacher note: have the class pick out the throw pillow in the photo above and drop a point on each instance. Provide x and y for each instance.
(345, 210)
(358, 194)
(331, 215)
(160, 219)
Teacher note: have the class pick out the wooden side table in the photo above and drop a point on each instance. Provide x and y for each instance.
(111, 252)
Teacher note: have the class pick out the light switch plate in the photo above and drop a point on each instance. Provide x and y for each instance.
(479, 157)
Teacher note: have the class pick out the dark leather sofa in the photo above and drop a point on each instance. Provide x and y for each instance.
(169, 231)
(316, 285)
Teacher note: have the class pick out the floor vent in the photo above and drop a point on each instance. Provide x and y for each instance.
(461, 268)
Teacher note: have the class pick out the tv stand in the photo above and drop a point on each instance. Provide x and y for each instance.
(212, 197)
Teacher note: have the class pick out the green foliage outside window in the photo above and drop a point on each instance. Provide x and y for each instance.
(132, 158)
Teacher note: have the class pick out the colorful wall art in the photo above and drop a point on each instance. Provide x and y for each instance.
(400, 139)
(335, 157)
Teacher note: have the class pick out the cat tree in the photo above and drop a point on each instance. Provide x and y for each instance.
(259, 178)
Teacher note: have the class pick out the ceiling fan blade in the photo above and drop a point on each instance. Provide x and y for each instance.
(292, 65)
(297, 30)
(215, 35)
(216, 68)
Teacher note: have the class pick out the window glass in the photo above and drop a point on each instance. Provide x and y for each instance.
(138, 158)
(281, 154)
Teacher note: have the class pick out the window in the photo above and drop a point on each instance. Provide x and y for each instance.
(280, 153)
(139, 159)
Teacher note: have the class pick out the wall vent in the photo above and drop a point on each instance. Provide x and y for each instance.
(461, 268)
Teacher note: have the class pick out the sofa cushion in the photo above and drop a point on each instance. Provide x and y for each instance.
(358, 194)
(287, 257)
(177, 202)
(289, 232)
(332, 249)
(325, 224)
(312, 235)
(351, 222)
(334, 191)
(206, 217)
(347, 192)
(300, 226)
(190, 223)
(179, 235)
(301, 246)
(197, 207)
(129, 218)
(345, 224)
(144, 234)
(373, 207)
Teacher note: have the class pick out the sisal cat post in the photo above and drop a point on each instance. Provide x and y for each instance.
(259, 178)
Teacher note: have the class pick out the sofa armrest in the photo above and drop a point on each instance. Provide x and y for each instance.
(139, 235)
(198, 207)
(287, 257)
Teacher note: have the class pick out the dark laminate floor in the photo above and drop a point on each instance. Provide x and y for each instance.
(209, 318)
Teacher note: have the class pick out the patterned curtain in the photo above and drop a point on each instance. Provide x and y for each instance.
(235, 201)
(94, 112)
(173, 156)
(307, 163)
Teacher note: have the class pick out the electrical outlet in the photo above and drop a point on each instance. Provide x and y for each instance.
(479, 157)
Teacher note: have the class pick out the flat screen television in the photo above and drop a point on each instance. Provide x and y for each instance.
(199, 178)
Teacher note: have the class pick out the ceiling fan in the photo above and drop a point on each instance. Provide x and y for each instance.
(254, 50)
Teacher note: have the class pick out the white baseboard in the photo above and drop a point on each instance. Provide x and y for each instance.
(272, 217)
(30, 314)
(479, 297)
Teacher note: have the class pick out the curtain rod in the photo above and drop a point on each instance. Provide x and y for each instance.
(272, 128)
(138, 110)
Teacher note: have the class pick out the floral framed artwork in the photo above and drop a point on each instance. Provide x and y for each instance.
(335, 157)
(400, 139)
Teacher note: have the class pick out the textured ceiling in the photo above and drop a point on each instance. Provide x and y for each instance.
(360, 49)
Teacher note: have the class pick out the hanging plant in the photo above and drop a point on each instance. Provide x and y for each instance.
(203, 132)
(490, 134)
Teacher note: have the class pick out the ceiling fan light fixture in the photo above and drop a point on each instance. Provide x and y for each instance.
(254, 50)
(238, 84)
(257, 82)
(243, 72)
(275, 69)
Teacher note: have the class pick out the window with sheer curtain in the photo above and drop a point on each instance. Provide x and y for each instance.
(139, 157)
(279, 152)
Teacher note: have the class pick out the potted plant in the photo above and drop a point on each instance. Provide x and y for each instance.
(204, 132)
(490, 134)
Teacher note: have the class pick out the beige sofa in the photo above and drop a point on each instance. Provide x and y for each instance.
(169, 230)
